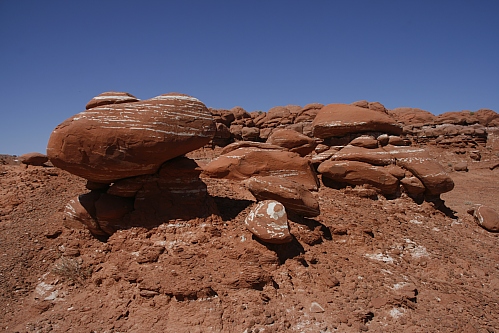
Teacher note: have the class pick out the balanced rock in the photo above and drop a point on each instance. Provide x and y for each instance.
(293, 141)
(247, 162)
(359, 173)
(294, 196)
(111, 97)
(486, 217)
(268, 221)
(35, 159)
(335, 120)
(116, 141)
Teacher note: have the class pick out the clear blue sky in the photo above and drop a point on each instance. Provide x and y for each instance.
(56, 55)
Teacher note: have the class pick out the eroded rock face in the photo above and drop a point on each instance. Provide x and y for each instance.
(335, 120)
(268, 221)
(294, 196)
(247, 162)
(111, 142)
(111, 97)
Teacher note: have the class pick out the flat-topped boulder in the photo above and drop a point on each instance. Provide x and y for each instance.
(116, 141)
(336, 120)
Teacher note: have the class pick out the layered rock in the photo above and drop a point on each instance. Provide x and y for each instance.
(268, 221)
(116, 141)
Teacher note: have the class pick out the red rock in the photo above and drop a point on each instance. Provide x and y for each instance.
(413, 186)
(292, 141)
(294, 196)
(336, 120)
(376, 156)
(412, 116)
(250, 133)
(268, 221)
(423, 166)
(244, 163)
(365, 141)
(222, 116)
(487, 218)
(308, 113)
(82, 210)
(456, 118)
(110, 211)
(116, 141)
(247, 144)
(358, 173)
(236, 131)
(487, 117)
(240, 113)
(35, 159)
(111, 97)
(398, 141)
(361, 104)
(461, 166)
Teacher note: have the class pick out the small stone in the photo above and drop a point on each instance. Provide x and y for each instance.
(316, 308)
(269, 222)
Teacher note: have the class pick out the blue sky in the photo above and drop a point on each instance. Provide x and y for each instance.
(55, 55)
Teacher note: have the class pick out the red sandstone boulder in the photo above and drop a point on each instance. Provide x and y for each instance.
(112, 142)
(486, 217)
(247, 162)
(35, 159)
(308, 113)
(376, 156)
(111, 97)
(412, 116)
(292, 141)
(335, 120)
(294, 196)
(413, 186)
(268, 221)
(365, 141)
(247, 144)
(358, 173)
(81, 210)
(422, 165)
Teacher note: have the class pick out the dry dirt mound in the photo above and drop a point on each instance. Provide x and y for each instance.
(361, 265)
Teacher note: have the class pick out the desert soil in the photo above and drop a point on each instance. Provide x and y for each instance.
(361, 265)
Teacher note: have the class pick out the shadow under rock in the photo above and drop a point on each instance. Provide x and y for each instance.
(230, 208)
(285, 251)
(439, 204)
(312, 224)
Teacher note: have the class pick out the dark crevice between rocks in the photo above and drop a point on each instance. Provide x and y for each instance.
(230, 208)
(286, 251)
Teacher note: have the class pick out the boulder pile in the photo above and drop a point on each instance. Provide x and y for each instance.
(132, 154)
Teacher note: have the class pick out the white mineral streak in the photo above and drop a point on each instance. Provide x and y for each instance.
(121, 98)
(273, 214)
(175, 97)
(70, 209)
(343, 123)
(380, 257)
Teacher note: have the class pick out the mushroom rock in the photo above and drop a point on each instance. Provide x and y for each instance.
(294, 196)
(335, 120)
(268, 221)
(116, 141)
(246, 162)
(111, 97)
